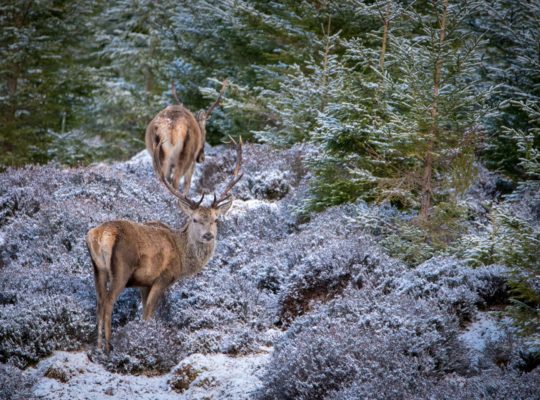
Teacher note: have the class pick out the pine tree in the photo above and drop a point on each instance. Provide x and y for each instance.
(512, 32)
(132, 77)
(406, 132)
(358, 146)
(44, 75)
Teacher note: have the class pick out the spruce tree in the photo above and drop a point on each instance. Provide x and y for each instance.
(132, 79)
(512, 66)
(44, 76)
(406, 132)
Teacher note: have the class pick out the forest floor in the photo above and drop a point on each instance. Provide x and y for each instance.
(289, 307)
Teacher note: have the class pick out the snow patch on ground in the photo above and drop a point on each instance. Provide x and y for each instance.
(217, 376)
(243, 207)
(73, 376)
(485, 330)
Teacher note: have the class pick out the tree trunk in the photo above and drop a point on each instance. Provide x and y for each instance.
(427, 189)
(386, 27)
(12, 82)
(148, 72)
(324, 95)
(429, 158)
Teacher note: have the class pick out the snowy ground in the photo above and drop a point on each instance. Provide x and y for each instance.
(288, 307)
(68, 376)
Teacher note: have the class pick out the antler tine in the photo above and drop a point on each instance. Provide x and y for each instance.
(237, 175)
(201, 199)
(157, 167)
(173, 91)
(224, 85)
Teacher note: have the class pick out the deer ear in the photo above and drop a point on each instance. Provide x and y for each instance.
(223, 208)
(185, 208)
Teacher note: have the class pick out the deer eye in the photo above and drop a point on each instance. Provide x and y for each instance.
(215, 221)
(196, 220)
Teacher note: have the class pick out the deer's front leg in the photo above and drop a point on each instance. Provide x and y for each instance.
(154, 295)
(144, 297)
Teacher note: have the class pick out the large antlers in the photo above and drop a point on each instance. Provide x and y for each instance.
(237, 175)
(225, 195)
(224, 85)
(157, 167)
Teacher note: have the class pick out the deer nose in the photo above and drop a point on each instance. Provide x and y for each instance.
(208, 236)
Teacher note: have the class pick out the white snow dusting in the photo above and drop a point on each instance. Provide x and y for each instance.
(73, 376)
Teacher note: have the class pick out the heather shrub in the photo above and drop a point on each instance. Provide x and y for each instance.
(43, 311)
(48, 323)
(496, 384)
(492, 384)
(15, 384)
(144, 347)
(324, 272)
(461, 289)
(392, 342)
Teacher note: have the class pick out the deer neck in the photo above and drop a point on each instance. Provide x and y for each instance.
(196, 254)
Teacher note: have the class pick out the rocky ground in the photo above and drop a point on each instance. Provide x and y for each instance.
(289, 307)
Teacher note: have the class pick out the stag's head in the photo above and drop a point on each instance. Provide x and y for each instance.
(202, 223)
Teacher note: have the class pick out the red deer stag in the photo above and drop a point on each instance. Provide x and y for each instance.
(152, 256)
(180, 136)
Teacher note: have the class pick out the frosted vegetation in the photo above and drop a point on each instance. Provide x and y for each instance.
(384, 241)
(341, 318)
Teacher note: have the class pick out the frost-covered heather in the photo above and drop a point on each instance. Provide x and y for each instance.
(341, 319)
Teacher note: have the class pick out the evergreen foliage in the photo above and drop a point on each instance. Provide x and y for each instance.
(528, 143)
(512, 30)
(513, 239)
(416, 110)
(45, 78)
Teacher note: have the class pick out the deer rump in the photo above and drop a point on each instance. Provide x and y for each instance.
(179, 141)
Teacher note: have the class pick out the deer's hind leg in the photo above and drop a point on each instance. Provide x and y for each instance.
(100, 262)
(120, 277)
(100, 277)
(187, 178)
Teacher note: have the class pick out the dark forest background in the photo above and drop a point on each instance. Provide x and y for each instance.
(80, 80)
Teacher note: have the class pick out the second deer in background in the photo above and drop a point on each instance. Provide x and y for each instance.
(175, 139)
